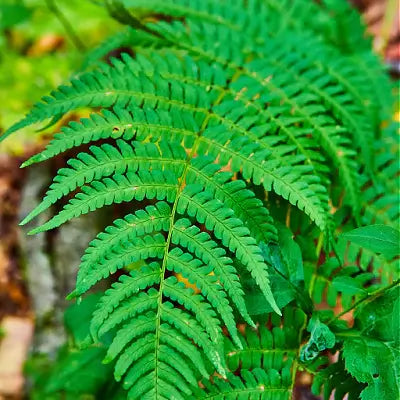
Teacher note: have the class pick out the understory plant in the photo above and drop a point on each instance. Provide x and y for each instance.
(252, 144)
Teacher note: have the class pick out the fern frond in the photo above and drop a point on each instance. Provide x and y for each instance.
(197, 131)
(254, 384)
(122, 290)
(323, 126)
(380, 198)
(108, 160)
(308, 198)
(278, 16)
(116, 189)
(336, 150)
(268, 19)
(131, 330)
(135, 250)
(307, 194)
(387, 268)
(188, 327)
(380, 204)
(102, 248)
(200, 244)
(268, 348)
(125, 124)
(265, 366)
(234, 193)
(199, 275)
(230, 231)
(115, 308)
(336, 379)
(204, 313)
(105, 88)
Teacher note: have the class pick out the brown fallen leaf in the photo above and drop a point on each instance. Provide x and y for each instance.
(46, 44)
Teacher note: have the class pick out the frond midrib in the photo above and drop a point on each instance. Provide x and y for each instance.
(179, 193)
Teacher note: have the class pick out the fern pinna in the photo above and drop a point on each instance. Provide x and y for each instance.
(226, 119)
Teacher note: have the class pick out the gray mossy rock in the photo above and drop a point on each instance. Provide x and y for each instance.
(36, 259)
(50, 261)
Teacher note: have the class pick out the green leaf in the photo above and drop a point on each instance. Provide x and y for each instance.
(286, 274)
(77, 317)
(371, 350)
(322, 338)
(376, 363)
(381, 239)
(255, 300)
(380, 318)
(12, 14)
(75, 374)
(291, 254)
(219, 124)
(347, 285)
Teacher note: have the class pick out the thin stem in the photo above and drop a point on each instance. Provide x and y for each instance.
(51, 5)
(288, 216)
(319, 244)
(369, 297)
(335, 252)
(296, 363)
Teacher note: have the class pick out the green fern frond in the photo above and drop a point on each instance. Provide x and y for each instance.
(102, 248)
(116, 308)
(380, 196)
(236, 195)
(312, 115)
(209, 136)
(121, 123)
(108, 160)
(199, 275)
(271, 18)
(254, 384)
(335, 379)
(268, 348)
(116, 189)
(200, 244)
(265, 366)
(308, 195)
(233, 234)
(388, 268)
(337, 152)
(380, 204)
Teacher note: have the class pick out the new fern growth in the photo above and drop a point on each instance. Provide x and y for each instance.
(227, 119)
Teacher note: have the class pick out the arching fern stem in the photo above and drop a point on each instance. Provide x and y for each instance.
(368, 297)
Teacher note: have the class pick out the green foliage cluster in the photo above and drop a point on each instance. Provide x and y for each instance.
(35, 45)
(246, 136)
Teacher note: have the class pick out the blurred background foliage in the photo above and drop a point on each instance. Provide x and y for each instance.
(42, 42)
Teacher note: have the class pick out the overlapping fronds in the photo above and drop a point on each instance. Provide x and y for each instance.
(265, 365)
(220, 107)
